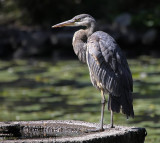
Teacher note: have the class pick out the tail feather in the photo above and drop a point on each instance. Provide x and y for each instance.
(113, 104)
(127, 104)
(124, 103)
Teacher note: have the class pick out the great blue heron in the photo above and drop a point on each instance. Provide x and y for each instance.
(108, 67)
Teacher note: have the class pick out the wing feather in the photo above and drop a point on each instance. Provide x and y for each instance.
(109, 71)
(107, 64)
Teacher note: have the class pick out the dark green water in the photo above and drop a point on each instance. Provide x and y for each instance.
(40, 90)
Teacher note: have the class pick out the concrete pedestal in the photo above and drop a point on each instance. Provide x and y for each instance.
(58, 131)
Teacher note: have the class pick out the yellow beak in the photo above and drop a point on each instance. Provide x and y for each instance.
(66, 23)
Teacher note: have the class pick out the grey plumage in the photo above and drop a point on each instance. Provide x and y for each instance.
(108, 67)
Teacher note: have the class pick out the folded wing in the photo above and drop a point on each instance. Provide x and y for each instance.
(109, 70)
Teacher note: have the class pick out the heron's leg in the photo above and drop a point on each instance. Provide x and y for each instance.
(112, 119)
(111, 114)
(103, 102)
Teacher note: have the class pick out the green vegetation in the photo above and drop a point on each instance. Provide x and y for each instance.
(41, 90)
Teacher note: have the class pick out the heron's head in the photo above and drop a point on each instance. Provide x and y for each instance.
(79, 20)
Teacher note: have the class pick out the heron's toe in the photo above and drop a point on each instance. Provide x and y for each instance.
(112, 126)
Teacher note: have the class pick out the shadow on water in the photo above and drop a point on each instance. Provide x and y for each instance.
(144, 117)
(73, 83)
(146, 90)
(22, 82)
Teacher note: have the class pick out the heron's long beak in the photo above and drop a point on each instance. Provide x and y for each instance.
(66, 23)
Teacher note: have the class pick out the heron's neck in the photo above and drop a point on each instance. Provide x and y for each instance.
(79, 38)
(81, 35)
(79, 44)
(80, 41)
(90, 29)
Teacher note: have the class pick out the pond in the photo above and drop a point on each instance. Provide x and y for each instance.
(45, 90)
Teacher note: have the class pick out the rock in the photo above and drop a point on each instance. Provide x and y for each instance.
(123, 20)
(149, 37)
(67, 131)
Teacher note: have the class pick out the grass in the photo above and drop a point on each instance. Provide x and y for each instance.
(42, 90)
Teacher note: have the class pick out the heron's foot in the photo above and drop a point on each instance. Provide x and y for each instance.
(112, 126)
(94, 130)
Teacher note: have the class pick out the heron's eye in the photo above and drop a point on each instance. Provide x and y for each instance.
(77, 20)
